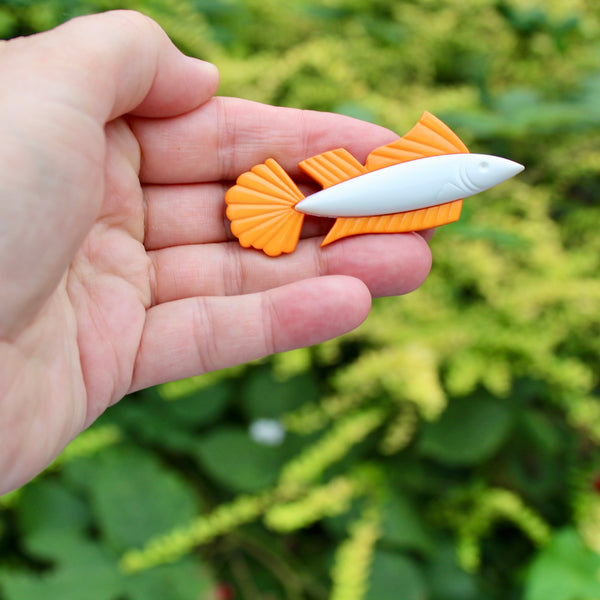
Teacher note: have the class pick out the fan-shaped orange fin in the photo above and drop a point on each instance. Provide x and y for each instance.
(332, 167)
(429, 137)
(261, 209)
(413, 220)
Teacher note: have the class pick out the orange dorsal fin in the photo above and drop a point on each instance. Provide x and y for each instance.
(332, 167)
(429, 137)
(261, 209)
(413, 220)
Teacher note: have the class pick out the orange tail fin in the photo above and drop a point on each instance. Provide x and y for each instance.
(261, 209)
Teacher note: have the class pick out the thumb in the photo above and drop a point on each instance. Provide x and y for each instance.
(110, 64)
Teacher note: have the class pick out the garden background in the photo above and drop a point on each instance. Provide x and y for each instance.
(447, 449)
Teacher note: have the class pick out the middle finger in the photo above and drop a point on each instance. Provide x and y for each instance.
(389, 264)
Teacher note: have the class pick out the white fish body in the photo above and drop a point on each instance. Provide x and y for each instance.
(410, 186)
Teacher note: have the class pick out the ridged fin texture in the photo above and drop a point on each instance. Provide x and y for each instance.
(261, 209)
(332, 167)
(413, 220)
(429, 137)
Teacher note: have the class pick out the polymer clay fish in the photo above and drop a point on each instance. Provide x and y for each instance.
(417, 182)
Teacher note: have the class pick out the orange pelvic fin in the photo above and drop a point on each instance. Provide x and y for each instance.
(332, 167)
(413, 220)
(261, 209)
(429, 137)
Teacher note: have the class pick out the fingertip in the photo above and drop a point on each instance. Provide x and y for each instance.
(315, 310)
(389, 265)
(207, 76)
(182, 83)
(351, 297)
(209, 69)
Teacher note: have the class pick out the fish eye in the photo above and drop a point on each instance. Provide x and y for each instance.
(484, 166)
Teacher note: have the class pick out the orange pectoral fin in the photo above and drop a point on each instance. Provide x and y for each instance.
(332, 167)
(413, 220)
(429, 137)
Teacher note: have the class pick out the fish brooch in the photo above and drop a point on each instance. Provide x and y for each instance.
(417, 182)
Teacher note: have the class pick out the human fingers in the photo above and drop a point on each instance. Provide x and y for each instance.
(59, 88)
(388, 265)
(197, 335)
(107, 65)
(227, 136)
(195, 214)
(184, 214)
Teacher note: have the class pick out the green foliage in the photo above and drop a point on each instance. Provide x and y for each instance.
(468, 432)
(391, 573)
(447, 449)
(102, 478)
(331, 447)
(54, 523)
(174, 544)
(330, 499)
(475, 521)
(354, 557)
(232, 458)
(565, 570)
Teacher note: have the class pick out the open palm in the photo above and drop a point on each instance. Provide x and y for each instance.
(117, 266)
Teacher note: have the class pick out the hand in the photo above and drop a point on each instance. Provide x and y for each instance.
(117, 267)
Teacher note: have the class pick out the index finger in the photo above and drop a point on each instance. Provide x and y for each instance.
(227, 136)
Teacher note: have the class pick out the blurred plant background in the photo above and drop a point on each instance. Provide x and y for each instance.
(447, 449)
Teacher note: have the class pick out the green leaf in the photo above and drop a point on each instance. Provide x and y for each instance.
(265, 397)
(236, 461)
(469, 432)
(203, 407)
(156, 415)
(50, 514)
(564, 570)
(47, 505)
(447, 581)
(92, 573)
(149, 420)
(402, 525)
(185, 580)
(135, 497)
(541, 431)
(89, 573)
(172, 421)
(395, 576)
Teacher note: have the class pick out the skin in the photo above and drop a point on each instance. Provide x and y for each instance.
(117, 267)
